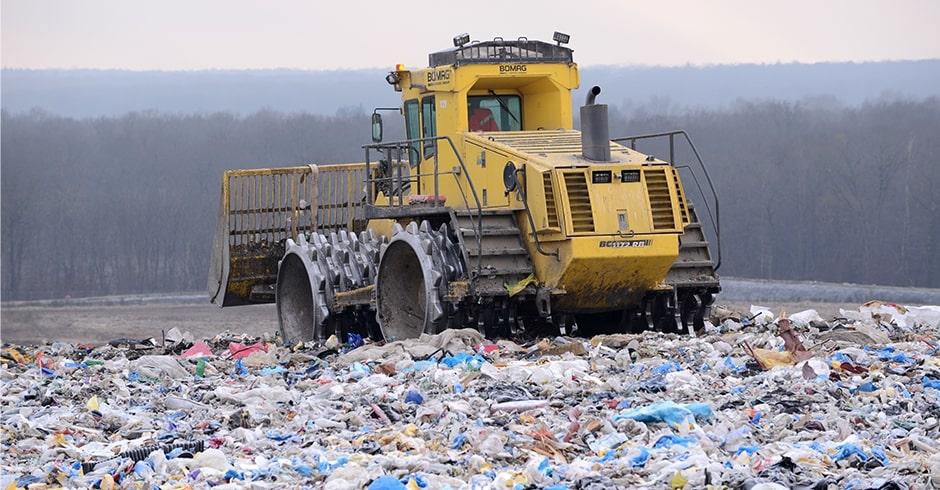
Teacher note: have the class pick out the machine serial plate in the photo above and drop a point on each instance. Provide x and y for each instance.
(624, 243)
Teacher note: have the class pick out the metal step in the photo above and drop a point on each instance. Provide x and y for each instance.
(693, 244)
(692, 263)
(494, 286)
(694, 269)
(518, 271)
(484, 212)
(500, 242)
(501, 251)
(496, 251)
(487, 231)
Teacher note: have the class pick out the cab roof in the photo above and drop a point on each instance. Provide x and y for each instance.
(499, 51)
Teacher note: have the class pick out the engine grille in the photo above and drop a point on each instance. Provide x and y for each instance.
(657, 188)
(582, 216)
(683, 204)
(551, 211)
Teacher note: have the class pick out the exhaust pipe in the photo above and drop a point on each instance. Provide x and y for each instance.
(595, 131)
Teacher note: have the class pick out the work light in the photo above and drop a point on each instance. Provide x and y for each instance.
(461, 39)
(561, 38)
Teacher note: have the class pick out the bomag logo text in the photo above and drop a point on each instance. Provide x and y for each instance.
(512, 68)
(438, 76)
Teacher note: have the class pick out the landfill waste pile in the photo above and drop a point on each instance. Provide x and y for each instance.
(759, 400)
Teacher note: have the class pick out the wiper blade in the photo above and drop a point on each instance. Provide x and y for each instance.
(502, 105)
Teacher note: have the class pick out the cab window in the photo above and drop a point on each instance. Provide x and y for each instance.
(494, 113)
(412, 129)
(429, 127)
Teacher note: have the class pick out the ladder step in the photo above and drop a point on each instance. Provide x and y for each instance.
(488, 222)
(497, 251)
(515, 271)
(490, 231)
(693, 244)
(688, 264)
(486, 212)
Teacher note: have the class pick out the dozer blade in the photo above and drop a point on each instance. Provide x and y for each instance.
(261, 208)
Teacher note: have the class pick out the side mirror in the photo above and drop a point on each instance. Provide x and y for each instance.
(376, 127)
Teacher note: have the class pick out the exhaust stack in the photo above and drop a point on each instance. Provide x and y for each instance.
(595, 132)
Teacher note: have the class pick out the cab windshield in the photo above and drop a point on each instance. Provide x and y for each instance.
(494, 113)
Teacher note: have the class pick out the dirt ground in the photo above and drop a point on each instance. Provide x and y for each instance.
(102, 323)
(95, 324)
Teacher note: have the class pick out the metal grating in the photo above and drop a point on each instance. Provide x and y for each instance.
(270, 205)
(560, 142)
(579, 201)
(657, 188)
(502, 51)
(551, 211)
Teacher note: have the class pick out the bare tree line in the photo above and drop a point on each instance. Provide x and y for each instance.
(127, 204)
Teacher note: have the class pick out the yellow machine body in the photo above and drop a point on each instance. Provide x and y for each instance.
(600, 235)
(615, 241)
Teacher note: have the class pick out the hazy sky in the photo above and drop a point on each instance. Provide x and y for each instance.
(194, 34)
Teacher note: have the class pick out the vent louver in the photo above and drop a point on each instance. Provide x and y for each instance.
(582, 216)
(657, 188)
(683, 205)
(550, 210)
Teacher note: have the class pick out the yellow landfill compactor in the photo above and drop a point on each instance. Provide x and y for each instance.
(493, 213)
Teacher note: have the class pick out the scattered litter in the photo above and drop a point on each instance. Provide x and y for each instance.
(241, 351)
(762, 400)
(199, 349)
(157, 367)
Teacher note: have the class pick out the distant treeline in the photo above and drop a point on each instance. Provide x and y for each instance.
(94, 93)
(127, 204)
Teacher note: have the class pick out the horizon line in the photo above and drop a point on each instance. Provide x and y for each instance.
(374, 68)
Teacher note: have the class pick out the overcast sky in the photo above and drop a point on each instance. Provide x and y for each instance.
(194, 34)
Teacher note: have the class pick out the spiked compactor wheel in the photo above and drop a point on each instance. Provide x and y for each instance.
(314, 273)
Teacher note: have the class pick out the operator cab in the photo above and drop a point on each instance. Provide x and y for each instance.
(490, 86)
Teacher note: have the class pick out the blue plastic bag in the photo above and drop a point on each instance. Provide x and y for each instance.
(387, 483)
(354, 340)
(233, 474)
(670, 440)
(458, 441)
(839, 356)
(326, 467)
(668, 367)
(891, 354)
(270, 371)
(473, 361)
(278, 436)
(750, 450)
(848, 450)
(640, 459)
(867, 387)
(240, 369)
(414, 397)
(303, 469)
(668, 412)
(729, 363)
